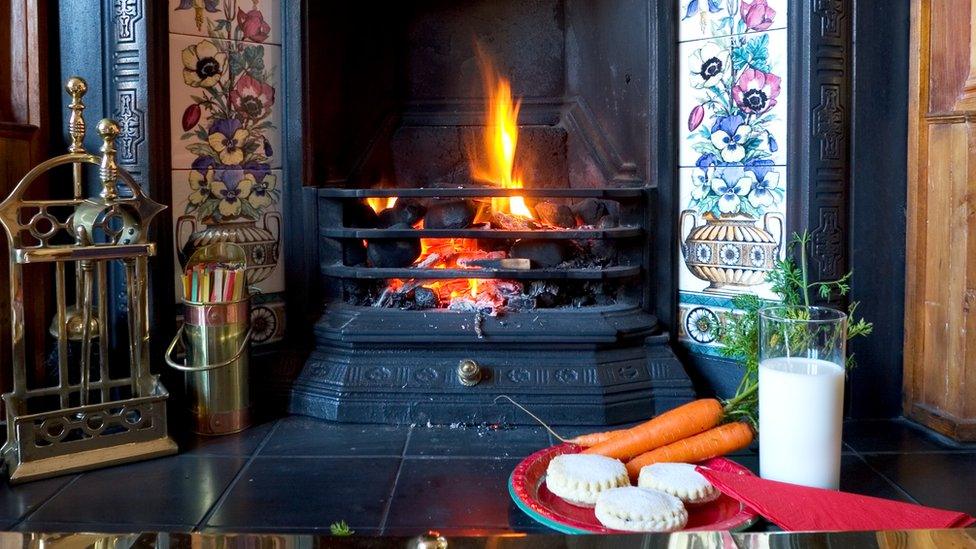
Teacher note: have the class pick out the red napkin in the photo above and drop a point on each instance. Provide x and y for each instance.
(799, 508)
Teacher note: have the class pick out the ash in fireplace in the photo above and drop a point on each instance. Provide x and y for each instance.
(495, 297)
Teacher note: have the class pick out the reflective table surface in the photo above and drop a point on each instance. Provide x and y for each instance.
(961, 538)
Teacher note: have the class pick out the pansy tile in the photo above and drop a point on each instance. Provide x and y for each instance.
(256, 225)
(700, 19)
(223, 102)
(732, 98)
(255, 21)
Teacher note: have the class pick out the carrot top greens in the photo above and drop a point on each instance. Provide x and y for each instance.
(740, 335)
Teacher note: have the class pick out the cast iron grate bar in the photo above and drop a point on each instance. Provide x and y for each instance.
(502, 234)
(344, 271)
(472, 192)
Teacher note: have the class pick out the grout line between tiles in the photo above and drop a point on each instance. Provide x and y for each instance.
(732, 35)
(203, 37)
(894, 484)
(38, 507)
(396, 479)
(233, 482)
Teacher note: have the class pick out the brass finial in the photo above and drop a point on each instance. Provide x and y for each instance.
(109, 169)
(76, 88)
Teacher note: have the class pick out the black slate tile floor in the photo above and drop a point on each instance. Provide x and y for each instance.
(304, 436)
(898, 436)
(175, 490)
(476, 441)
(299, 474)
(309, 492)
(468, 493)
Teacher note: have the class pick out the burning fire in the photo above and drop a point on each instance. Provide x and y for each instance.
(500, 141)
(492, 161)
(380, 204)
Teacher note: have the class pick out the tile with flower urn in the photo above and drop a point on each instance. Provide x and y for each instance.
(700, 19)
(223, 108)
(238, 205)
(732, 99)
(255, 21)
(732, 227)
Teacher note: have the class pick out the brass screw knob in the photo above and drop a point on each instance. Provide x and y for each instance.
(468, 372)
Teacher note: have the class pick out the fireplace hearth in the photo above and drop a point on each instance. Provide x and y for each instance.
(486, 214)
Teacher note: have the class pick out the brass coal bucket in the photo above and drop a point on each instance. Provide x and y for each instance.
(216, 338)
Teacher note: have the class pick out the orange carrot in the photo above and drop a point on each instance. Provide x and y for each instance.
(592, 439)
(682, 422)
(712, 443)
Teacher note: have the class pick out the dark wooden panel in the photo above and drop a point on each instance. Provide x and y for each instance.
(949, 62)
(23, 143)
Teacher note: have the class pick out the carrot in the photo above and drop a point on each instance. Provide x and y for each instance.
(712, 443)
(592, 439)
(682, 422)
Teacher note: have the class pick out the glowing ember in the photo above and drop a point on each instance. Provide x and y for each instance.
(500, 141)
(380, 204)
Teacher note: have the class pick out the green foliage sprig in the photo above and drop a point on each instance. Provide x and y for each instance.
(740, 336)
(341, 529)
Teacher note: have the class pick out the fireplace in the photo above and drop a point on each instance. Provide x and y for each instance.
(488, 213)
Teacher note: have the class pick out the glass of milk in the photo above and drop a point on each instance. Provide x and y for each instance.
(802, 352)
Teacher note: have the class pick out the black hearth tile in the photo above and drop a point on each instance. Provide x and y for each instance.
(859, 478)
(16, 501)
(455, 493)
(750, 462)
(897, 435)
(236, 444)
(855, 476)
(943, 480)
(99, 527)
(304, 436)
(308, 493)
(172, 490)
(476, 441)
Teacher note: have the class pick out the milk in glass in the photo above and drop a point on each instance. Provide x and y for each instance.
(800, 419)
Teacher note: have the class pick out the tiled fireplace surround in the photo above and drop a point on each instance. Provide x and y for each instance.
(248, 40)
(816, 108)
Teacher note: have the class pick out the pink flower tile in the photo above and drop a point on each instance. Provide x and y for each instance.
(256, 21)
(732, 99)
(223, 102)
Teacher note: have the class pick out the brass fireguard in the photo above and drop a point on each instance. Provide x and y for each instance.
(88, 419)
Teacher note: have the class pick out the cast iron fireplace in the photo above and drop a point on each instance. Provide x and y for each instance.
(475, 239)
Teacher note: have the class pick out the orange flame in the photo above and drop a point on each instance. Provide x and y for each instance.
(500, 141)
(379, 204)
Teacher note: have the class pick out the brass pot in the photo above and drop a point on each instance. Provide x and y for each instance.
(731, 252)
(260, 243)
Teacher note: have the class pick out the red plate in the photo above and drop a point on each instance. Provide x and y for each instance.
(528, 489)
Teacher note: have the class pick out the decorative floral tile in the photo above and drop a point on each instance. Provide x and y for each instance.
(700, 326)
(256, 21)
(248, 203)
(223, 104)
(732, 99)
(268, 318)
(732, 228)
(714, 18)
